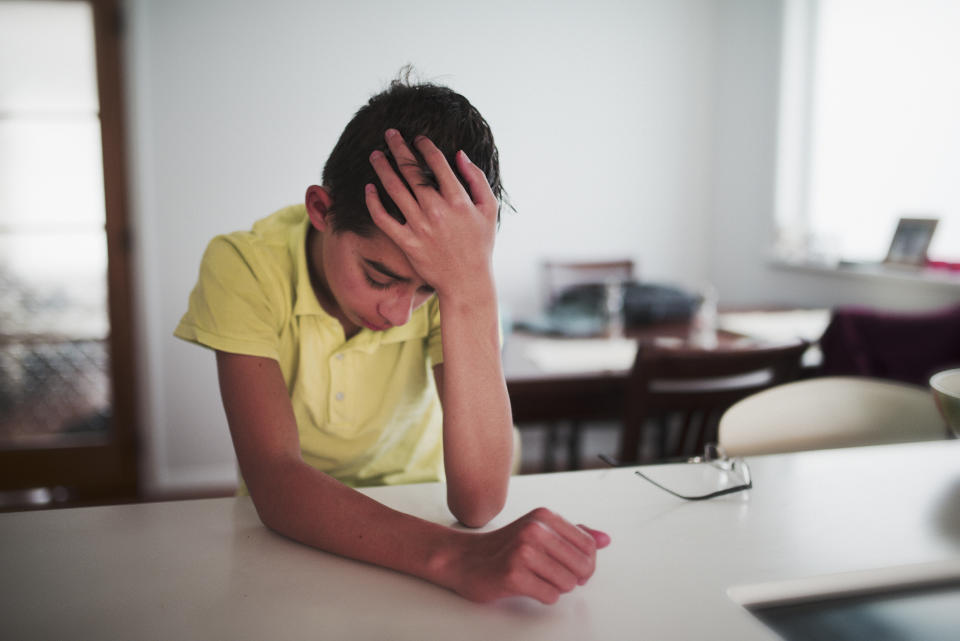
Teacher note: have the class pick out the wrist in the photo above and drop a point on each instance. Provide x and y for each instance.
(445, 559)
(473, 277)
(472, 296)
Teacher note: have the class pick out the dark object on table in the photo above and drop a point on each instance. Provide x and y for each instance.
(899, 346)
(580, 310)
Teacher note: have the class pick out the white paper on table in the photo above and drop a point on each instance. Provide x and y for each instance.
(777, 326)
(582, 355)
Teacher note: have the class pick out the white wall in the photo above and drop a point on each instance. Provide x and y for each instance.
(602, 112)
(644, 128)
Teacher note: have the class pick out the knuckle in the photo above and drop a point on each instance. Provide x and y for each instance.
(531, 533)
(432, 209)
(541, 513)
(460, 201)
(524, 555)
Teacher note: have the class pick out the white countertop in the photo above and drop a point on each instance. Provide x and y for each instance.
(208, 569)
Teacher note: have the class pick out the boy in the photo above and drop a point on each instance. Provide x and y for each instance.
(325, 319)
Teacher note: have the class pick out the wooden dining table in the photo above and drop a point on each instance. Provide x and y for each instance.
(589, 393)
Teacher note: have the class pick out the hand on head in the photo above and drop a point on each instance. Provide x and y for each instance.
(449, 234)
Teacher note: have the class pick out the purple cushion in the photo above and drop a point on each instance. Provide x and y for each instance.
(901, 346)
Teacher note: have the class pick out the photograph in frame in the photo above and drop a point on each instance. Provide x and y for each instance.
(911, 241)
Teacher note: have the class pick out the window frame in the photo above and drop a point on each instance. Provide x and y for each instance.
(107, 471)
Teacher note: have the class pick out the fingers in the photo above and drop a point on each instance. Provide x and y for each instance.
(480, 190)
(602, 539)
(548, 580)
(389, 225)
(449, 184)
(568, 553)
(564, 566)
(535, 576)
(411, 171)
(570, 533)
(392, 183)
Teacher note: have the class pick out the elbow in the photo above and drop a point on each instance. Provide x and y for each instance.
(268, 512)
(269, 491)
(474, 518)
(477, 512)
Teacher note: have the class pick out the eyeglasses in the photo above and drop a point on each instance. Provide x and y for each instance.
(713, 455)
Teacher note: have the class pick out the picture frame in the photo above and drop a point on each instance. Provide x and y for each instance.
(911, 241)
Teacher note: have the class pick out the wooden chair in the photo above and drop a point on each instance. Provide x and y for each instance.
(684, 391)
(557, 276)
(830, 412)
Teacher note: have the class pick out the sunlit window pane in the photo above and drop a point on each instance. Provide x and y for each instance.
(54, 283)
(51, 175)
(47, 58)
(886, 136)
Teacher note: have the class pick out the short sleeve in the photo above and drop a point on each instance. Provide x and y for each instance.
(234, 306)
(434, 342)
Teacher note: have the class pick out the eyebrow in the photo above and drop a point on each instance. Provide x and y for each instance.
(386, 271)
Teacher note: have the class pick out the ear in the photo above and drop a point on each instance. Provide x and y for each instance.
(319, 202)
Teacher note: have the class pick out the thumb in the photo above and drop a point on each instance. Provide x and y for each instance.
(602, 538)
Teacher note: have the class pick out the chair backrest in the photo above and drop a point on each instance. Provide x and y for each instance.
(559, 275)
(686, 390)
(829, 412)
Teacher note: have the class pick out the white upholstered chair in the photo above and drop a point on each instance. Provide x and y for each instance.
(830, 412)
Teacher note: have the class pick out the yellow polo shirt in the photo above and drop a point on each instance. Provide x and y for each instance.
(367, 409)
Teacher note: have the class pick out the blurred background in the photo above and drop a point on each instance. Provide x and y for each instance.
(763, 148)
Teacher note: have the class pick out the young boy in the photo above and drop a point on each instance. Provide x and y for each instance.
(326, 322)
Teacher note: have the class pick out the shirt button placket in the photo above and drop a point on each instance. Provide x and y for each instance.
(336, 366)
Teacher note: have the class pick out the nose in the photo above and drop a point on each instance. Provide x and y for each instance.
(397, 309)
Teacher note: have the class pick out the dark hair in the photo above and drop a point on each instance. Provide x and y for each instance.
(439, 113)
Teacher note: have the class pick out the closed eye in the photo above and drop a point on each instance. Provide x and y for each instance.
(377, 284)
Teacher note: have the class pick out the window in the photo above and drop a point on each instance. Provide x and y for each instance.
(869, 126)
(66, 390)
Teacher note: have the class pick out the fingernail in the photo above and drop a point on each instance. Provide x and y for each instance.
(370, 189)
(376, 154)
(392, 132)
(466, 157)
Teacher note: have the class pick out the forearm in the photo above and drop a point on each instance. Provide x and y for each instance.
(306, 505)
(477, 423)
(539, 555)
